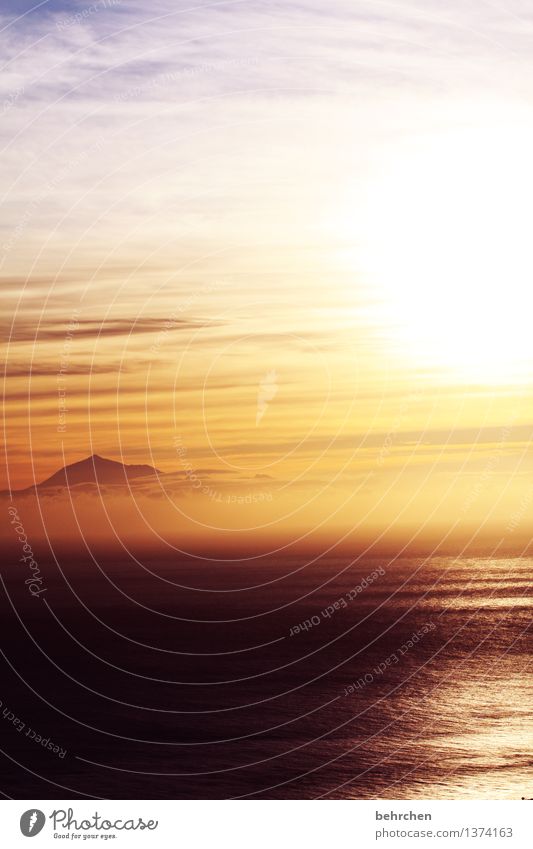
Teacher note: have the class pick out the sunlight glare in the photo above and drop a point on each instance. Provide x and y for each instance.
(448, 247)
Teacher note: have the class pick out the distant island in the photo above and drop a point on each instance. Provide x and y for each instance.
(94, 470)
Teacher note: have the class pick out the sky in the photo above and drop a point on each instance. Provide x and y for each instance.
(285, 244)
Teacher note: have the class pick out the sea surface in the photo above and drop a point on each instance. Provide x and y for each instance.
(267, 678)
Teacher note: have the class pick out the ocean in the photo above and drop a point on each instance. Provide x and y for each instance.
(268, 678)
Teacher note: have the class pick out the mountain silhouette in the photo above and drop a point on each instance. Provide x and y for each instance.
(95, 470)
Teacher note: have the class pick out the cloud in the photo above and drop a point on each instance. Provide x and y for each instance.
(167, 109)
(25, 369)
(24, 331)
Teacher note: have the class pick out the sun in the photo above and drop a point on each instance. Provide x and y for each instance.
(447, 247)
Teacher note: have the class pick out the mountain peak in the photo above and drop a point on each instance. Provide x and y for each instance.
(97, 458)
(96, 469)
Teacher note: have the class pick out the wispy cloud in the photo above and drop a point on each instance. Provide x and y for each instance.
(24, 331)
